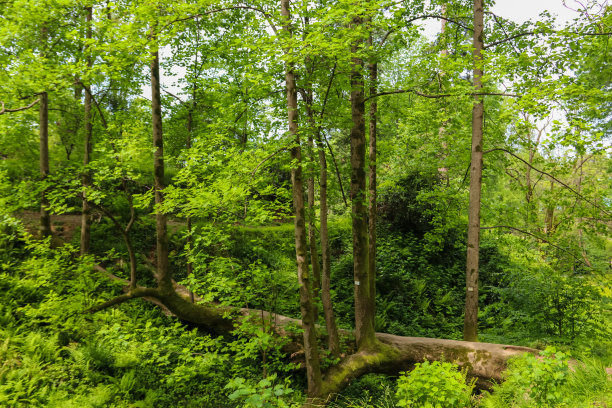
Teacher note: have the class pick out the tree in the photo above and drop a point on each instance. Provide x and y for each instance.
(470, 326)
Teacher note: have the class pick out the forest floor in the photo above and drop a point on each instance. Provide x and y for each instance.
(62, 226)
(65, 226)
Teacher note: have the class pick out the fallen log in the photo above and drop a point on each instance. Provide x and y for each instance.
(392, 354)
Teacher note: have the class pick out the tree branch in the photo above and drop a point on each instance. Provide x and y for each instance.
(551, 176)
(3, 110)
(266, 15)
(132, 294)
(437, 96)
(331, 152)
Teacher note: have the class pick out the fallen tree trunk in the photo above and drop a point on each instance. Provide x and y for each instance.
(393, 354)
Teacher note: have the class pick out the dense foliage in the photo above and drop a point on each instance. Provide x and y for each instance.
(94, 216)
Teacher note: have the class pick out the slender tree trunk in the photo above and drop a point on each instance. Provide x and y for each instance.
(550, 212)
(333, 342)
(45, 218)
(443, 171)
(312, 233)
(313, 370)
(470, 324)
(372, 187)
(189, 226)
(312, 237)
(364, 316)
(86, 180)
(163, 271)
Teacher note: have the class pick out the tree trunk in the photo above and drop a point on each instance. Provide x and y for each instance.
(313, 370)
(364, 314)
(189, 226)
(470, 323)
(312, 237)
(328, 309)
(86, 180)
(312, 233)
(443, 170)
(163, 271)
(45, 218)
(372, 187)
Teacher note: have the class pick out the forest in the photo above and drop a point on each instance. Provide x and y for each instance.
(251, 203)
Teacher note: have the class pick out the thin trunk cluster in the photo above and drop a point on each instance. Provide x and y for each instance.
(313, 370)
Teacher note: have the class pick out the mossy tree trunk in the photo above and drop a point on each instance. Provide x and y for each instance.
(364, 313)
(373, 68)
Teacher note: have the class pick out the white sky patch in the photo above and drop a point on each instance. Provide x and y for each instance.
(520, 11)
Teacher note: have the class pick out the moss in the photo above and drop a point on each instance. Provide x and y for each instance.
(355, 365)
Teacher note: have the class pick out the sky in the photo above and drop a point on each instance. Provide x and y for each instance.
(522, 10)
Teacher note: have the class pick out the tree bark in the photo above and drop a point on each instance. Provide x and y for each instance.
(163, 270)
(86, 180)
(333, 342)
(312, 237)
(470, 323)
(328, 309)
(364, 316)
(313, 370)
(45, 218)
(312, 233)
(372, 187)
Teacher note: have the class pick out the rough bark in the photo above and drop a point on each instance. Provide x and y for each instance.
(313, 370)
(161, 229)
(470, 323)
(45, 218)
(364, 316)
(86, 179)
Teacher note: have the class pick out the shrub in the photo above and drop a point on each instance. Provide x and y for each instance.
(433, 385)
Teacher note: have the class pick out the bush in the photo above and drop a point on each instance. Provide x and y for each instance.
(434, 385)
(547, 381)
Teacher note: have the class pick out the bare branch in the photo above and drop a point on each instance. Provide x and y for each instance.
(552, 177)
(174, 96)
(437, 96)
(282, 149)
(450, 20)
(266, 15)
(3, 110)
(132, 294)
(534, 236)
